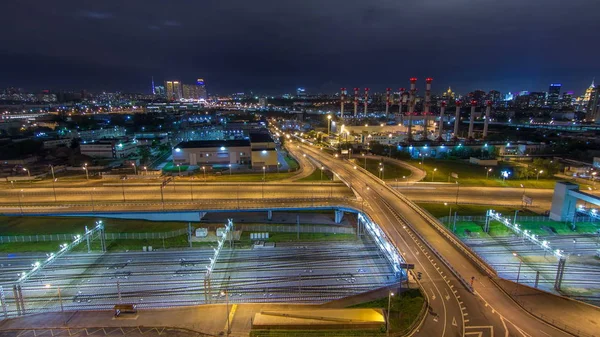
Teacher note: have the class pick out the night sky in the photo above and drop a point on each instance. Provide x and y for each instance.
(274, 46)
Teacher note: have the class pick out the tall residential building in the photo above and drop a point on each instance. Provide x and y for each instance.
(202, 88)
(494, 96)
(301, 93)
(583, 100)
(173, 90)
(194, 91)
(554, 94)
(159, 90)
(592, 110)
(537, 99)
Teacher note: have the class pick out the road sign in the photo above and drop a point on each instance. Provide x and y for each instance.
(454, 175)
(407, 266)
(527, 200)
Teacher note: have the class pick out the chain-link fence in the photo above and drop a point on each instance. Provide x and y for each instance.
(295, 228)
(524, 218)
(109, 236)
(184, 231)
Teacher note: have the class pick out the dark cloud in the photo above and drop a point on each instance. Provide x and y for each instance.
(95, 15)
(172, 23)
(273, 46)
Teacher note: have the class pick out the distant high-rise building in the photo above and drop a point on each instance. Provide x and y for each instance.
(159, 90)
(173, 90)
(583, 100)
(479, 96)
(301, 93)
(194, 91)
(449, 94)
(592, 110)
(537, 99)
(509, 97)
(494, 96)
(567, 99)
(262, 102)
(202, 88)
(554, 94)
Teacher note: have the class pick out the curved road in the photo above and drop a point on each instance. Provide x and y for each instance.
(454, 309)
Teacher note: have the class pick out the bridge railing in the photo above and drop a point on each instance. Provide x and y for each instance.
(479, 261)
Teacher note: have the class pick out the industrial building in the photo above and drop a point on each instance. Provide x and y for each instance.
(109, 148)
(258, 151)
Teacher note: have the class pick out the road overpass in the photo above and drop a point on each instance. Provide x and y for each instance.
(455, 309)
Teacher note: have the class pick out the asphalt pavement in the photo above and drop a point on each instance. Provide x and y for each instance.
(454, 309)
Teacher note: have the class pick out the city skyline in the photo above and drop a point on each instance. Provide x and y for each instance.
(266, 46)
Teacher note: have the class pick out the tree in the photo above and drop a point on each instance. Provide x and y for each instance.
(145, 153)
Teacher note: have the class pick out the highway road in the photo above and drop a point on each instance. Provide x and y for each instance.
(178, 192)
(199, 191)
(454, 309)
(505, 196)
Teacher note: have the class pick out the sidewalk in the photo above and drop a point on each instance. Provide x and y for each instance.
(208, 319)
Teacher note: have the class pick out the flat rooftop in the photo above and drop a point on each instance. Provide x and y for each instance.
(260, 137)
(212, 143)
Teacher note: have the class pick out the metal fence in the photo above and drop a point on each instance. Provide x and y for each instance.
(294, 229)
(524, 218)
(109, 236)
(183, 231)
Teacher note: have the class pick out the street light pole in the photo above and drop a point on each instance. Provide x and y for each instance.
(264, 173)
(87, 176)
(519, 270)
(387, 321)
(54, 188)
(134, 168)
(226, 294)
(52, 170)
(538, 174)
(204, 170)
(229, 169)
(20, 204)
(123, 188)
(92, 197)
(457, 189)
(433, 174)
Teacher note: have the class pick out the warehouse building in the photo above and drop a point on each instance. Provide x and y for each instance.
(258, 151)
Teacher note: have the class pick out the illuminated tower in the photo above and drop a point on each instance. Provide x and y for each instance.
(457, 119)
(472, 119)
(411, 105)
(366, 102)
(355, 102)
(441, 123)
(427, 105)
(488, 110)
(387, 101)
(342, 99)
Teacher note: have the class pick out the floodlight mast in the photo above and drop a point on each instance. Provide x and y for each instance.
(213, 260)
(65, 248)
